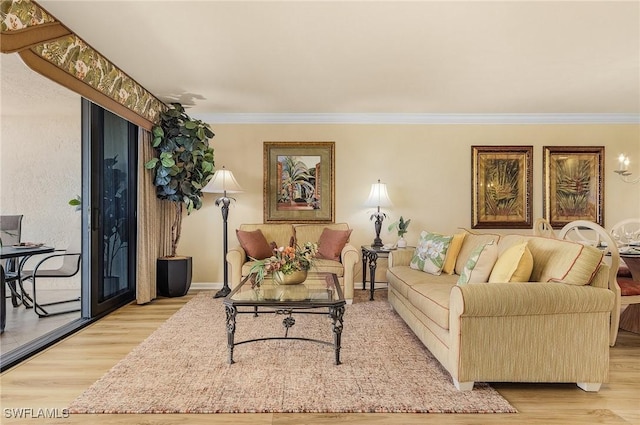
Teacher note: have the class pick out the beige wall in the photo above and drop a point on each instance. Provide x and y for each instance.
(426, 167)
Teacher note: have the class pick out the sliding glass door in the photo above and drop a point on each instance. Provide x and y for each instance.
(112, 156)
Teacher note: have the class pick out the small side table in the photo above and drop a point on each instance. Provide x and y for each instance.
(370, 257)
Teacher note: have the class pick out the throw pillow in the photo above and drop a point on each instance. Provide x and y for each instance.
(331, 243)
(479, 265)
(514, 265)
(452, 253)
(430, 253)
(254, 244)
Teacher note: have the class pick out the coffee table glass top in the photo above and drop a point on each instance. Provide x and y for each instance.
(318, 289)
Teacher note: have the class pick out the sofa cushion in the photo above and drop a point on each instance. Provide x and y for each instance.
(479, 264)
(432, 299)
(472, 241)
(254, 244)
(556, 260)
(452, 253)
(430, 253)
(331, 243)
(513, 265)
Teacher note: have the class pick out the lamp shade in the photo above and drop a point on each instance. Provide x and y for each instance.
(379, 197)
(222, 182)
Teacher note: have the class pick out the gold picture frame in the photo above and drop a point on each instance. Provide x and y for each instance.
(299, 182)
(501, 187)
(573, 184)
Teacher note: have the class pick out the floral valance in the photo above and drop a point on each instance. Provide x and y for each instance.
(52, 50)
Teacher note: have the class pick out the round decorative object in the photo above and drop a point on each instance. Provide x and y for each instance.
(291, 278)
(402, 243)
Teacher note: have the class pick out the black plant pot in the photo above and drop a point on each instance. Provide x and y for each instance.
(173, 276)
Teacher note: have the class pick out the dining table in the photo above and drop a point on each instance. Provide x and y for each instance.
(630, 317)
(21, 252)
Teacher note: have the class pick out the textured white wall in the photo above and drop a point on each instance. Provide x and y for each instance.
(40, 170)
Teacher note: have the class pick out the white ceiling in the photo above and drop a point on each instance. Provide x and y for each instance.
(368, 57)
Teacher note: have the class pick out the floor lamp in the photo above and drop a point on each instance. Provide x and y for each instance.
(223, 182)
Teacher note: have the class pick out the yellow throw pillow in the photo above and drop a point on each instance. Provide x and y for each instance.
(514, 265)
(452, 253)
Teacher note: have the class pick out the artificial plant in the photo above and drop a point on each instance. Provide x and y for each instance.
(184, 164)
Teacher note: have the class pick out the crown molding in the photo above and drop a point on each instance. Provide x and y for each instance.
(393, 118)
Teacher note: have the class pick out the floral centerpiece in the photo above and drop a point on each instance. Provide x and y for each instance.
(286, 262)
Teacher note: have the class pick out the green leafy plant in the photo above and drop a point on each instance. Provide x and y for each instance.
(401, 226)
(184, 165)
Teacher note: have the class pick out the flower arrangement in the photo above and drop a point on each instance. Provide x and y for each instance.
(285, 260)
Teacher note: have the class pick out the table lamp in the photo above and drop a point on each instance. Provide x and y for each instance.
(379, 198)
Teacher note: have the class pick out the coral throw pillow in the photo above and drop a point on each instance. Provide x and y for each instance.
(479, 265)
(254, 244)
(514, 265)
(331, 243)
(430, 253)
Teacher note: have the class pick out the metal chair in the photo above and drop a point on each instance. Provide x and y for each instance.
(71, 260)
(10, 234)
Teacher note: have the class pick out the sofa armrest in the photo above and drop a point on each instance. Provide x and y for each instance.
(236, 257)
(527, 299)
(349, 257)
(400, 257)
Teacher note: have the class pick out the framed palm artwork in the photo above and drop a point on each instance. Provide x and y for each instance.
(501, 187)
(573, 184)
(299, 182)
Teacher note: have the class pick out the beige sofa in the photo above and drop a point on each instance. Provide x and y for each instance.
(281, 234)
(553, 329)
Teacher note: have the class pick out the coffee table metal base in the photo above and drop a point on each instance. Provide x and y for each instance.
(335, 313)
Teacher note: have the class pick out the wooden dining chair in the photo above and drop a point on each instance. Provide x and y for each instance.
(542, 227)
(625, 232)
(589, 233)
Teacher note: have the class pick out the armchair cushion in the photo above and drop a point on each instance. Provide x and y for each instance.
(331, 243)
(254, 243)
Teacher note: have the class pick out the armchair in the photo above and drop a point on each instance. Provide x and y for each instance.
(281, 234)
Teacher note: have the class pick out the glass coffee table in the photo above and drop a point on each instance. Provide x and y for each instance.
(320, 293)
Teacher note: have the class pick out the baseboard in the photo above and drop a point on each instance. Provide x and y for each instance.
(206, 285)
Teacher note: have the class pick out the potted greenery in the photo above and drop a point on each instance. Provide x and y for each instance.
(183, 167)
(401, 226)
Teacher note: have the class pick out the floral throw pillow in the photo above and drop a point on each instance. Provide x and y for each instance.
(479, 265)
(431, 252)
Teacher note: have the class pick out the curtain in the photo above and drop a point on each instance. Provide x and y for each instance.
(154, 223)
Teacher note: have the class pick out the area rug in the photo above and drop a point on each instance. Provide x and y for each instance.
(182, 368)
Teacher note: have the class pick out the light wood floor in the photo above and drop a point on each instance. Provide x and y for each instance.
(53, 378)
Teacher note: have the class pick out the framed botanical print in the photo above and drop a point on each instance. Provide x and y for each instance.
(299, 182)
(501, 187)
(573, 184)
